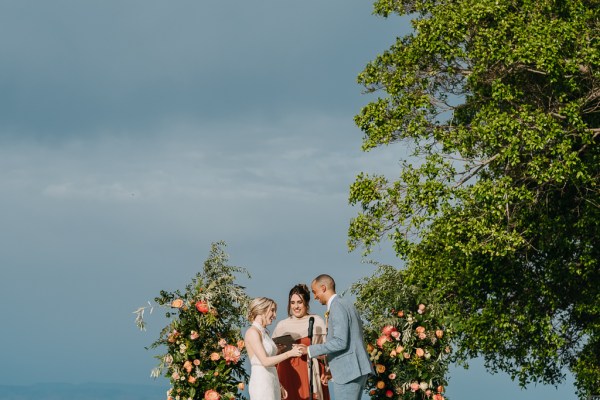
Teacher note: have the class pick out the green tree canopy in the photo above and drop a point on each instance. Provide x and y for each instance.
(497, 205)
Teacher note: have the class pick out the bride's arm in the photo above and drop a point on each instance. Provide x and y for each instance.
(255, 348)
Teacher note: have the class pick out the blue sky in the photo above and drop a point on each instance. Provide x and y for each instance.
(135, 133)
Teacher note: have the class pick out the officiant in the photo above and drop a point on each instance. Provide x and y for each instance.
(294, 373)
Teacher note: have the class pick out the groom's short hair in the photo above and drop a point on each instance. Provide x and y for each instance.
(326, 280)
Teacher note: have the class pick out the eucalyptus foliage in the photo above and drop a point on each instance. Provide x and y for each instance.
(497, 205)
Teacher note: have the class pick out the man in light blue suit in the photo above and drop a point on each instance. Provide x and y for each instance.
(344, 346)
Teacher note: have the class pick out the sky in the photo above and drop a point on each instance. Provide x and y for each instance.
(134, 133)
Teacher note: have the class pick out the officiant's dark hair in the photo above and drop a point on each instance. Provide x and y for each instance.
(301, 290)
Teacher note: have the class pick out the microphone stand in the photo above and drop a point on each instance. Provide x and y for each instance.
(311, 321)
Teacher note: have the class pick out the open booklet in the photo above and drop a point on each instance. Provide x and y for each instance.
(284, 343)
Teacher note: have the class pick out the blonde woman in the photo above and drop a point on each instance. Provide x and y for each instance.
(262, 351)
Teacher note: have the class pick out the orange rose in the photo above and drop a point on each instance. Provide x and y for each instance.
(211, 395)
(419, 351)
(421, 309)
(420, 329)
(406, 355)
(414, 386)
(399, 349)
(380, 368)
(187, 366)
(393, 353)
(196, 362)
(191, 379)
(241, 386)
(438, 397)
(202, 307)
(439, 333)
(380, 385)
(401, 313)
(440, 389)
(240, 344)
(370, 348)
(215, 356)
(177, 303)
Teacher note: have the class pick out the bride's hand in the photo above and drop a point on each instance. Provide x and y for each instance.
(295, 351)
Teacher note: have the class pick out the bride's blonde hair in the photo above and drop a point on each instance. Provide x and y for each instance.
(260, 306)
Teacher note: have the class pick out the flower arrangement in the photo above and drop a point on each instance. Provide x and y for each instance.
(204, 347)
(408, 336)
(410, 355)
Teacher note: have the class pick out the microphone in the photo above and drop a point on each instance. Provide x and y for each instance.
(311, 322)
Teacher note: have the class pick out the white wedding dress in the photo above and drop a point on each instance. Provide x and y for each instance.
(264, 383)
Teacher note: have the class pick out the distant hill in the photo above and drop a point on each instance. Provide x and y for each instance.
(86, 391)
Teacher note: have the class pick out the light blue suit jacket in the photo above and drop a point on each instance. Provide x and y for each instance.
(344, 346)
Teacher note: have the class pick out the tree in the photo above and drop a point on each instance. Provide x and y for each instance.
(497, 205)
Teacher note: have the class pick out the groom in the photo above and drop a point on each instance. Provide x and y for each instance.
(344, 347)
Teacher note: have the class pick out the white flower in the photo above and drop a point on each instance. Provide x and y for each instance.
(423, 386)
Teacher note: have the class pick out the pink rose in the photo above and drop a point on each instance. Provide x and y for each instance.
(392, 376)
(396, 335)
(407, 355)
(414, 386)
(438, 397)
(388, 329)
(222, 342)
(175, 376)
(428, 393)
(196, 362)
(241, 386)
(422, 335)
(421, 309)
(194, 335)
(191, 379)
(382, 340)
(240, 344)
(211, 395)
(215, 356)
(202, 307)
(231, 354)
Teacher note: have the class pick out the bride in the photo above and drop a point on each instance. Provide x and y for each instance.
(264, 384)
